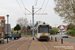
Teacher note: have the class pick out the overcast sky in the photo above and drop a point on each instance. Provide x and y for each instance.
(12, 8)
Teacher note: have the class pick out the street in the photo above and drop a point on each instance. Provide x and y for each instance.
(69, 39)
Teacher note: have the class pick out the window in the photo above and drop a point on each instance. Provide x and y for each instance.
(43, 29)
(2, 24)
(2, 34)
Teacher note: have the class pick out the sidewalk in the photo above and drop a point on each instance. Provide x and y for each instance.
(71, 36)
(65, 45)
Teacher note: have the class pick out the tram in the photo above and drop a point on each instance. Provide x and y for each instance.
(43, 32)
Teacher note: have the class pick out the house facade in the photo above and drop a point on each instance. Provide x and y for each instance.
(62, 28)
(2, 26)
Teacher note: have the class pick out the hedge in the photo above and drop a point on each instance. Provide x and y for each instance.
(71, 32)
(52, 32)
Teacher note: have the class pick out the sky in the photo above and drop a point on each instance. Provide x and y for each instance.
(15, 11)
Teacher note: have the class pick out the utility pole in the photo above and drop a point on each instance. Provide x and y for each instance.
(33, 20)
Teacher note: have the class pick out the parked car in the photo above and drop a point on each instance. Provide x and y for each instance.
(64, 35)
(15, 36)
(8, 36)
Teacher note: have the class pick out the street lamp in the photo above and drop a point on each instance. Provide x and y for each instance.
(7, 27)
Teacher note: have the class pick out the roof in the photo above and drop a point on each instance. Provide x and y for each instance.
(62, 26)
(2, 17)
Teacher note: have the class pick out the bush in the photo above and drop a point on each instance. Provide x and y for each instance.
(52, 32)
(73, 29)
(73, 32)
(69, 31)
(55, 29)
(19, 34)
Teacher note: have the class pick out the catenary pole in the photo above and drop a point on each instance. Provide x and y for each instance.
(33, 20)
(33, 17)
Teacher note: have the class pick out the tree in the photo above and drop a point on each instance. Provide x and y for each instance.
(17, 27)
(22, 22)
(12, 30)
(70, 26)
(66, 10)
(28, 27)
(55, 29)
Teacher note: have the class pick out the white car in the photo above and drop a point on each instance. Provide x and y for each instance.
(64, 35)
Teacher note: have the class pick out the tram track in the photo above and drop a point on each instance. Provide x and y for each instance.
(29, 45)
(13, 42)
(16, 45)
(25, 44)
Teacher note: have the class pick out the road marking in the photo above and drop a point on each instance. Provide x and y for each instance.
(44, 46)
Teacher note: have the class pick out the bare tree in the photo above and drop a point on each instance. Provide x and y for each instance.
(66, 10)
(22, 22)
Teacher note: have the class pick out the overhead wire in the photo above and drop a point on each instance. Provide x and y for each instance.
(45, 6)
(20, 6)
(43, 3)
(24, 7)
(36, 2)
(25, 13)
(40, 10)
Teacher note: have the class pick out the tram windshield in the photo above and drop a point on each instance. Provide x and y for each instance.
(43, 29)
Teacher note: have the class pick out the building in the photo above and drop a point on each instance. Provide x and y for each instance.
(62, 28)
(2, 26)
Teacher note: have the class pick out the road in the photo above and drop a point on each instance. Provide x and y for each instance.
(69, 39)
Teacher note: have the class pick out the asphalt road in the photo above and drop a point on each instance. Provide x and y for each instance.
(69, 39)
